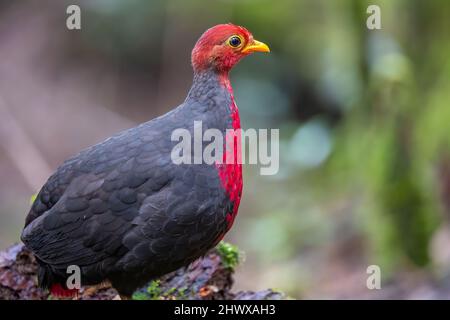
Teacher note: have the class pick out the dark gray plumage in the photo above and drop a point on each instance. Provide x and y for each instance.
(121, 210)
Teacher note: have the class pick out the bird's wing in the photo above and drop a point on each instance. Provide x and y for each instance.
(86, 207)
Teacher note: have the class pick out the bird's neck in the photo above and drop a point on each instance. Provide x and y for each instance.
(211, 93)
(212, 86)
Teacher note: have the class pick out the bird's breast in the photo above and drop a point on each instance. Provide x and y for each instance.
(230, 170)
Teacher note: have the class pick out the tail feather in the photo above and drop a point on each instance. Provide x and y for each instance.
(58, 290)
(55, 284)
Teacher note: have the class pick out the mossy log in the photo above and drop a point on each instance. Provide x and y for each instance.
(210, 277)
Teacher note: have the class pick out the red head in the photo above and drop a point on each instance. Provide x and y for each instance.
(222, 46)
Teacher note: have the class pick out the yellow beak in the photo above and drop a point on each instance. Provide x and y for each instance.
(256, 46)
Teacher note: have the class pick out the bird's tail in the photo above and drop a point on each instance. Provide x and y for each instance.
(47, 279)
(59, 291)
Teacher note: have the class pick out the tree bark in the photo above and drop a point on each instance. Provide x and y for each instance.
(205, 279)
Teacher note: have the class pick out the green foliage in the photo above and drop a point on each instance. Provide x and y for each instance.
(140, 296)
(182, 293)
(229, 253)
(154, 291)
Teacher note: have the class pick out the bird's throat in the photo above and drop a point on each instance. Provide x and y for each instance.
(234, 111)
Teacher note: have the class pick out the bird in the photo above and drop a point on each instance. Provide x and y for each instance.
(122, 211)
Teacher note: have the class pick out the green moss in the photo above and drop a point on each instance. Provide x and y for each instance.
(182, 293)
(170, 291)
(229, 253)
(154, 290)
(230, 256)
(139, 296)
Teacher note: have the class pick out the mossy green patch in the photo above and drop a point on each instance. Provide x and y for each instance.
(229, 253)
(139, 296)
(154, 290)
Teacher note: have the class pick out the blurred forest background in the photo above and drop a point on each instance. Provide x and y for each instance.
(364, 121)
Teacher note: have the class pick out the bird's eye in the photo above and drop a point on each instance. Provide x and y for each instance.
(234, 41)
